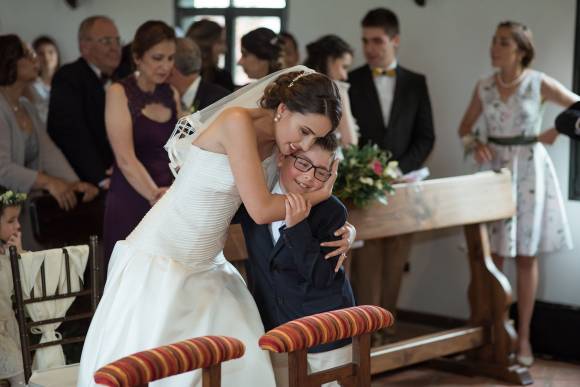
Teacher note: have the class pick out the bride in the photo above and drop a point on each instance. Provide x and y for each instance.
(169, 281)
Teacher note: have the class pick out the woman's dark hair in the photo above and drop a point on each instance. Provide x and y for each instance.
(319, 51)
(382, 18)
(206, 33)
(305, 93)
(265, 45)
(11, 50)
(288, 37)
(149, 34)
(43, 40)
(522, 35)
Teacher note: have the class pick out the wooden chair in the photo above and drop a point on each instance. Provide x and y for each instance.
(141, 368)
(295, 337)
(54, 227)
(62, 376)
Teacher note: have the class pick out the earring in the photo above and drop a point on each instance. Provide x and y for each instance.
(277, 117)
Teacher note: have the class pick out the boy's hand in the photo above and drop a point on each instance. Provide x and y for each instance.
(297, 209)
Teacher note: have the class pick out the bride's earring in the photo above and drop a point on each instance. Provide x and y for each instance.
(277, 117)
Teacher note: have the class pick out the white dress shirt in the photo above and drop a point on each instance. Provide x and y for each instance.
(99, 72)
(189, 95)
(386, 89)
(274, 227)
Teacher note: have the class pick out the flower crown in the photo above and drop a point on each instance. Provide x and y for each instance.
(11, 198)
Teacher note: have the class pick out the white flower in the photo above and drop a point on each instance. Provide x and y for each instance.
(366, 180)
(392, 170)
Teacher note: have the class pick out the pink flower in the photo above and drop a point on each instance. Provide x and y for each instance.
(377, 167)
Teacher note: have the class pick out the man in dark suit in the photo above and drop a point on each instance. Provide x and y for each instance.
(568, 122)
(195, 92)
(289, 275)
(392, 107)
(76, 116)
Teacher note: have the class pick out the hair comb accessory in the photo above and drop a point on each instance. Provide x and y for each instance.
(302, 74)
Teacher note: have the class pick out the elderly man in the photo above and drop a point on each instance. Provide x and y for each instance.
(76, 117)
(195, 92)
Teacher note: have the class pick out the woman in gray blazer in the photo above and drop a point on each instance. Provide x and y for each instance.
(28, 157)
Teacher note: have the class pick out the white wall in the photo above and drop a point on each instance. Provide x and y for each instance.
(30, 18)
(448, 41)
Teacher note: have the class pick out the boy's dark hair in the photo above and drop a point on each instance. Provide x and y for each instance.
(328, 143)
(383, 18)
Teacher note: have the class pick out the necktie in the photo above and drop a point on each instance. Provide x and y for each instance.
(377, 72)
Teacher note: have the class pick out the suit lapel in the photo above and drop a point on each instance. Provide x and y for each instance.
(396, 105)
(198, 94)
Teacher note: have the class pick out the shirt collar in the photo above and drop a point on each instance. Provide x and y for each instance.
(189, 95)
(95, 69)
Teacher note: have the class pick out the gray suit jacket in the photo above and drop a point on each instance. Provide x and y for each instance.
(15, 172)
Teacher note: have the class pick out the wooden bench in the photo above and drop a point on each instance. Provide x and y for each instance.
(470, 202)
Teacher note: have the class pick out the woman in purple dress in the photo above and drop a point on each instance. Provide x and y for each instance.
(140, 114)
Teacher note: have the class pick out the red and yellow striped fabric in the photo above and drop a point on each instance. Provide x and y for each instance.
(158, 363)
(322, 328)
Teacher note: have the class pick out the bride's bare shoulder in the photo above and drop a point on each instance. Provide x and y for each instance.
(236, 118)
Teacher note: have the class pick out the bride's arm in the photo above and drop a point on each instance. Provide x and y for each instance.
(238, 137)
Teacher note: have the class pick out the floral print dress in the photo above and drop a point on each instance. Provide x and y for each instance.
(540, 224)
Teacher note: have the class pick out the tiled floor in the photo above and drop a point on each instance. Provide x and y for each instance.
(545, 374)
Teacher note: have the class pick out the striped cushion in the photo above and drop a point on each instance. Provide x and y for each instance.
(157, 363)
(322, 328)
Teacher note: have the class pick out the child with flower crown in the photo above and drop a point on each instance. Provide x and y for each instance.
(10, 235)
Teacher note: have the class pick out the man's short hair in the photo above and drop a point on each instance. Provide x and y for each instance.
(187, 56)
(88, 23)
(383, 18)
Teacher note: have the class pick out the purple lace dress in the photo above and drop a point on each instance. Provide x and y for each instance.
(125, 207)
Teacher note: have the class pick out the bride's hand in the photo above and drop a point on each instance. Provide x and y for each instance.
(348, 234)
(329, 184)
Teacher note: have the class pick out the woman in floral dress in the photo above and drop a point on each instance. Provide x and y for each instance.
(512, 104)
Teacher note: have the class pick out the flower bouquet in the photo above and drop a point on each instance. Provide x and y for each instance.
(365, 174)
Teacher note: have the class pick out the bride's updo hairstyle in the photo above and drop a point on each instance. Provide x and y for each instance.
(304, 93)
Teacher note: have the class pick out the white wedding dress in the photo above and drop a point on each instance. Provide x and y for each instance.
(169, 280)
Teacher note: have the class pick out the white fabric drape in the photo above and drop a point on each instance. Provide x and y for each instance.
(55, 276)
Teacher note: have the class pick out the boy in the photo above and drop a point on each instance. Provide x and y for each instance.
(289, 276)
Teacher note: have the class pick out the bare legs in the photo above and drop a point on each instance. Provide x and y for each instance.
(527, 284)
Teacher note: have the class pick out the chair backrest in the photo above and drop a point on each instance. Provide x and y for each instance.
(55, 227)
(295, 337)
(141, 368)
(71, 288)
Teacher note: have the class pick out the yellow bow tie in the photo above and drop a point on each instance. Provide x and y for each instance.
(377, 72)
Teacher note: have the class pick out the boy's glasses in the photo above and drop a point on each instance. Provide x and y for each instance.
(304, 165)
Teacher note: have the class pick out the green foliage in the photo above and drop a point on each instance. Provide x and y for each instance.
(365, 174)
